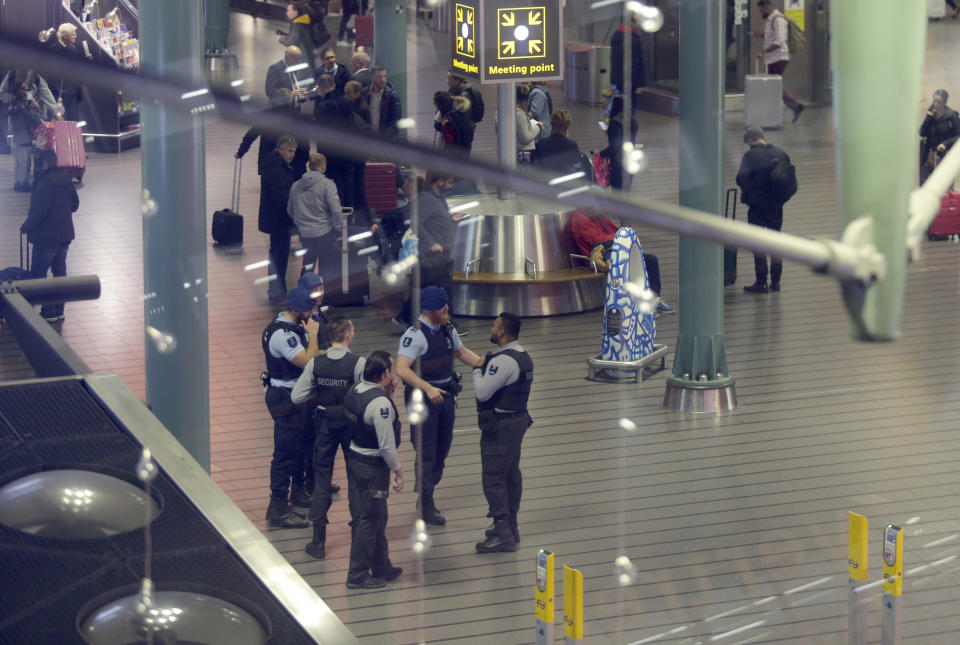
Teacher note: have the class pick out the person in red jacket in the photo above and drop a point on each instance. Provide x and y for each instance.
(593, 235)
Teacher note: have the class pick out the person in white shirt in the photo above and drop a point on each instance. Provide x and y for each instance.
(776, 54)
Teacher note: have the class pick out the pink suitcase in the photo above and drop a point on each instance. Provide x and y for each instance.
(365, 31)
(68, 144)
(947, 222)
(380, 184)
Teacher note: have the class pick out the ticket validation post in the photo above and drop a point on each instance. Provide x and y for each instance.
(572, 606)
(856, 577)
(544, 594)
(892, 584)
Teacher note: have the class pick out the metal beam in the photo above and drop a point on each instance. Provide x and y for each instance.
(45, 349)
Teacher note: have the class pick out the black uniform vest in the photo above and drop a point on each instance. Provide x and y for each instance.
(280, 368)
(513, 397)
(437, 363)
(331, 380)
(355, 405)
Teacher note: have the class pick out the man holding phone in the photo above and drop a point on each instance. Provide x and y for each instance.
(375, 437)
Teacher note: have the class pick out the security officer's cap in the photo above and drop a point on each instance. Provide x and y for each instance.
(298, 299)
(433, 298)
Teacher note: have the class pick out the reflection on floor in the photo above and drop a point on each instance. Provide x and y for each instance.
(736, 525)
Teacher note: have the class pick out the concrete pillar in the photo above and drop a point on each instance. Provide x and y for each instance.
(876, 88)
(175, 229)
(390, 45)
(700, 380)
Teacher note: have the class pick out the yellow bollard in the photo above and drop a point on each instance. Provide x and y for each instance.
(572, 605)
(857, 557)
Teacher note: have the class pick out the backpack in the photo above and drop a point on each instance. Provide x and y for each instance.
(783, 180)
(476, 105)
(796, 40)
(318, 30)
(540, 88)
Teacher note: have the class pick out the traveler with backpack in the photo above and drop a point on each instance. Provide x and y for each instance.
(459, 86)
(540, 107)
(767, 181)
(301, 32)
(776, 37)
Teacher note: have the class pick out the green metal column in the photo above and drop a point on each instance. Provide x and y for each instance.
(174, 229)
(877, 90)
(701, 381)
(217, 21)
(390, 45)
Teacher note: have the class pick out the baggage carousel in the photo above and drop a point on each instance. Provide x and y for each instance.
(518, 255)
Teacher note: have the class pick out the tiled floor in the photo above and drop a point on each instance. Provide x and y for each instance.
(736, 525)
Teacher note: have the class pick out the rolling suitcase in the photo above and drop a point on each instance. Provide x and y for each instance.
(730, 252)
(947, 222)
(358, 279)
(763, 100)
(380, 183)
(365, 31)
(68, 144)
(227, 227)
(23, 271)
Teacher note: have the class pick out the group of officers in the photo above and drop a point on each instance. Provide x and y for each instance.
(322, 396)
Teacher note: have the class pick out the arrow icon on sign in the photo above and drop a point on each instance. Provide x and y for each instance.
(459, 15)
(534, 18)
(510, 48)
(460, 43)
(535, 46)
(508, 20)
(470, 46)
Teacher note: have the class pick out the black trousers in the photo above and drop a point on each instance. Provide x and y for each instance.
(500, 446)
(772, 218)
(279, 255)
(304, 479)
(369, 552)
(287, 436)
(323, 257)
(434, 443)
(324, 455)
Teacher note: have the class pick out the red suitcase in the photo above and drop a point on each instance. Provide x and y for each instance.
(365, 31)
(68, 144)
(947, 222)
(380, 184)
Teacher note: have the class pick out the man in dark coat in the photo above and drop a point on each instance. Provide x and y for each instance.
(280, 76)
(49, 225)
(341, 75)
(637, 73)
(558, 152)
(764, 209)
(64, 88)
(268, 140)
(383, 103)
(276, 178)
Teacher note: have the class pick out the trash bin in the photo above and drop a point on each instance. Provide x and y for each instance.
(587, 72)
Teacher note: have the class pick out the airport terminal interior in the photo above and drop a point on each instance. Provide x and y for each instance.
(735, 524)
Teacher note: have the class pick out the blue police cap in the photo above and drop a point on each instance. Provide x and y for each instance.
(311, 282)
(298, 299)
(433, 298)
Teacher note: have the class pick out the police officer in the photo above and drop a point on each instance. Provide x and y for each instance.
(435, 343)
(323, 384)
(375, 437)
(502, 385)
(289, 342)
(303, 484)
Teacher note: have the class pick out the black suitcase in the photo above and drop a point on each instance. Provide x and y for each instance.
(730, 252)
(227, 223)
(359, 278)
(23, 271)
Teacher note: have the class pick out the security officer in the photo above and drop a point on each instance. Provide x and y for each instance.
(375, 437)
(435, 343)
(289, 342)
(323, 384)
(502, 384)
(303, 483)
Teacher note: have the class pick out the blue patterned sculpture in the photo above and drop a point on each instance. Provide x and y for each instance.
(628, 334)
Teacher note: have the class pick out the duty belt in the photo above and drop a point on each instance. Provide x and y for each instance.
(509, 413)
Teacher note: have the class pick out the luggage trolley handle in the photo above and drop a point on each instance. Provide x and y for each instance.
(346, 212)
(25, 267)
(235, 196)
(726, 206)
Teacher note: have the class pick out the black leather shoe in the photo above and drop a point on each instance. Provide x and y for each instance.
(334, 489)
(316, 550)
(300, 498)
(501, 542)
(370, 582)
(757, 287)
(287, 520)
(492, 531)
(388, 574)
(796, 112)
(774, 286)
(431, 515)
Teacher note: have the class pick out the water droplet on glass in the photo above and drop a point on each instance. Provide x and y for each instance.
(165, 343)
(628, 425)
(624, 571)
(148, 206)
